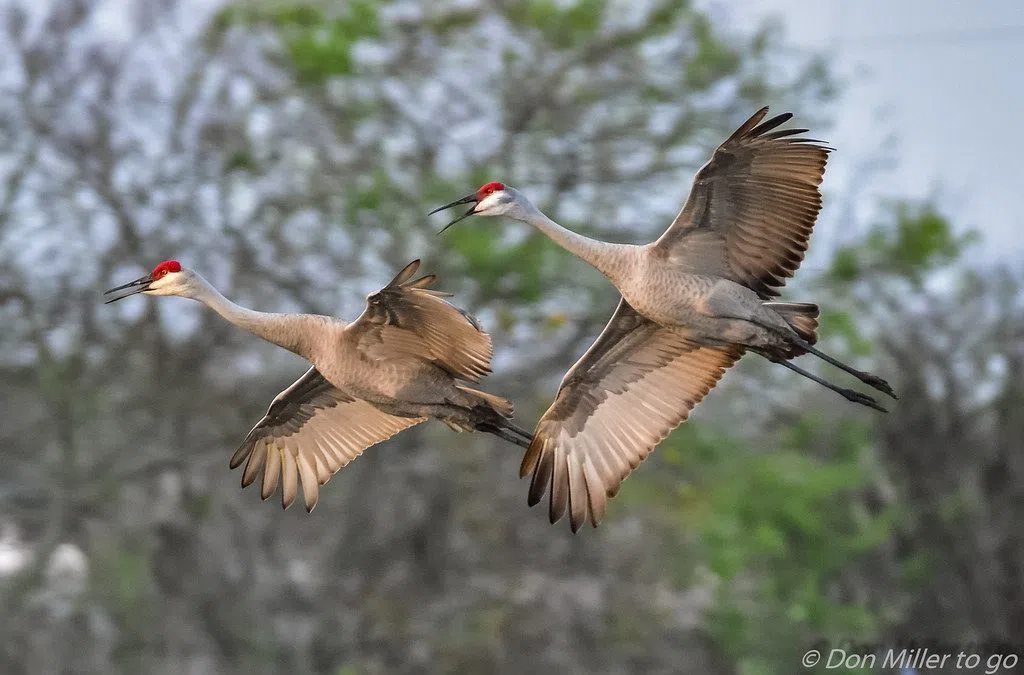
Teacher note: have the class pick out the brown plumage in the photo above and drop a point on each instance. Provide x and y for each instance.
(311, 431)
(693, 302)
(406, 359)
(406, 317)
(635, 384)
(754, 203)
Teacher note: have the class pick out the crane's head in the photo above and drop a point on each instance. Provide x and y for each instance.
(167, 278)
(492, 199)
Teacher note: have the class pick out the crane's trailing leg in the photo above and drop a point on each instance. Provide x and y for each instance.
(848, 394)
(867, 378)
(508, 433)
(802, 320)
(490, 414)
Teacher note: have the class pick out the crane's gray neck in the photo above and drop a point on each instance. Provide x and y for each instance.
(606, 257)
(298, 333)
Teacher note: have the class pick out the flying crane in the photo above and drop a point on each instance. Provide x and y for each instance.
(404, 360)
(693, 302)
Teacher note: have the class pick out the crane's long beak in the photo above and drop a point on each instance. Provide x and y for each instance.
(133, 287)
(468, 199)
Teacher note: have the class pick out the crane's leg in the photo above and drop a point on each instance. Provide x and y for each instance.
(519, 431)
(867, 378)
(505, 433)
(751, 322)
(848, 394)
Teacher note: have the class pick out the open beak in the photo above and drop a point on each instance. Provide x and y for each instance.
(133, 288)
(468, 199)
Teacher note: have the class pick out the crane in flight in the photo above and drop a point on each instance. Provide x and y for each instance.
(404, 360)
(693, 302)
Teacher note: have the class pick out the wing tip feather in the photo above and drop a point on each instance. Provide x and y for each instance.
(405, 274)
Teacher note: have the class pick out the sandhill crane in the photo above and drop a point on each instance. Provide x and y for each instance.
(401, 362)
(692, 303)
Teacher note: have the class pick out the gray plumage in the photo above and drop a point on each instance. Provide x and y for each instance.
(693, 302)
(407, 358)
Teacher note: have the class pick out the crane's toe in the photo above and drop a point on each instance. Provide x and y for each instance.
(863, 399)
(879, 384)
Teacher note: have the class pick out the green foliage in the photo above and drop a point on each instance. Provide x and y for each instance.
(663, 18)
(320, 45)
(714, 58)
(917, 241)
(121, 578)
(565, 27)
(371, 196)
(777, 528)
(841, 324)
(502, 270)
(198, 506)
(240, 160)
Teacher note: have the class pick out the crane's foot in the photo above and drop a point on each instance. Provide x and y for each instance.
(873, 381)
(878, 383)
(863, 399)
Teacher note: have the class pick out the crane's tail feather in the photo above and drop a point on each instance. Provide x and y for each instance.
(502, 406)
(802, 317)
(493, 415)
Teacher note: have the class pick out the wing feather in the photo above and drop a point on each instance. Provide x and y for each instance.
(311, 430)
(272, 474)
(752, 207)
(407, 319)
(635, 384)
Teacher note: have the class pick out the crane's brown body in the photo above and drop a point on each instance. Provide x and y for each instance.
(693, 302)
(704, 308)
(407, 358)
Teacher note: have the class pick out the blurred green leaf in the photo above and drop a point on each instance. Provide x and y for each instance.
(319, 44)
(917, 240)
(714, 58)
(565, 26)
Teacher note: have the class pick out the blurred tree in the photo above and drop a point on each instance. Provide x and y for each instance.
(291, 150)
(952, 451)
(812, 527)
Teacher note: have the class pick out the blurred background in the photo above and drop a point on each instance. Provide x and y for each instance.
(290, 152)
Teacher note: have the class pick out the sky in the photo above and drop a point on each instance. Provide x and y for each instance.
(944, 79)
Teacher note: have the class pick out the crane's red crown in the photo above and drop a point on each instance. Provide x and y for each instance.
(489, 188)
(165, 267)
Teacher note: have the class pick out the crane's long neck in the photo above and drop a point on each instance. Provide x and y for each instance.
(608, 258)
(298, 333)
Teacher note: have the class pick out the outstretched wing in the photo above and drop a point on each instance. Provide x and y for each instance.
(635, 384)
(406, 318)
(752, 206)
(311, 430)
